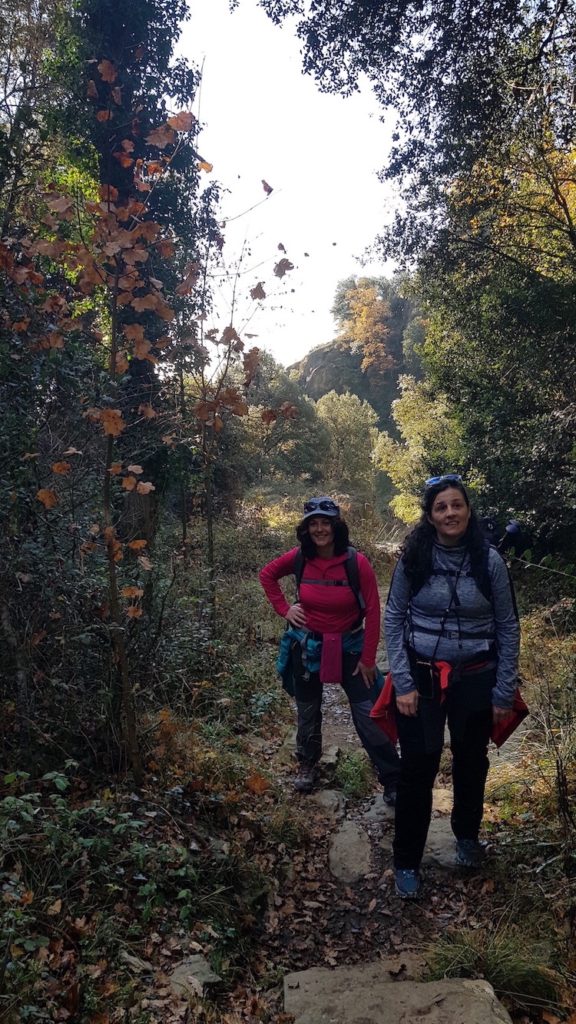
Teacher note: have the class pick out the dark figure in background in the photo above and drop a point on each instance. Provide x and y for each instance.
(331, 637)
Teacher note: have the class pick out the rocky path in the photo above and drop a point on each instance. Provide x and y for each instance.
(338, 933)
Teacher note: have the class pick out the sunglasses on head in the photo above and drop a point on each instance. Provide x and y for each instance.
(451, 477)
(325, 505)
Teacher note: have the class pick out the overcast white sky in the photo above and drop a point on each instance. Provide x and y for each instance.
(265, 120)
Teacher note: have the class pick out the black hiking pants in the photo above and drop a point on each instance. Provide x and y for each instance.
(308, 694)
(469, 715)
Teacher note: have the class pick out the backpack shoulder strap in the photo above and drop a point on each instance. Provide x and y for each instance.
(353, 574)
(298, 569)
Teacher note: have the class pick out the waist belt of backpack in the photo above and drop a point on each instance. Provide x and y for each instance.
(454, 634)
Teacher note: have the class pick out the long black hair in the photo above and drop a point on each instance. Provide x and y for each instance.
(341, 536)
(416, 551)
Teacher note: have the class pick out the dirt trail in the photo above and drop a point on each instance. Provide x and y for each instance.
(318, 919)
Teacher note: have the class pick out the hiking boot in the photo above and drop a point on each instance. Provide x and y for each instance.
(390, 794)
(304, 781)
(469, 853)
(408, 883)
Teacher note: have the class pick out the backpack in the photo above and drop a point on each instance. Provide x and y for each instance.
(352, 573)
(484, 584)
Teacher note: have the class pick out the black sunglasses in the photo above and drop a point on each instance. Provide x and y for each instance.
(325, 505)
(451, 477)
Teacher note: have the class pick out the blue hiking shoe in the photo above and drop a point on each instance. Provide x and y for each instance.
(408, 883)
(470, 853)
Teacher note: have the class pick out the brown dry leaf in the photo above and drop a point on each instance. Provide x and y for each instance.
(116, 94)
(132, 592)
(129, 483)
(103, 115)
(145, 488)
(182, 122)
(191, 275)
(269, 416)
(250, 362)
(92, 91)
(256, 783)
(283, 267)
(48, 498)
(54, 908)
(145, 562)
(165, 247)
(144, 302)
(133, 331)
(115, 468)
(72, 451)
(38, 637)
(127, 145)
(161, 137)
(147, 411)
(258, 291)
(61, 468)
(121, 363)
(137, 470)
(108, 193)
(107, 70)
(137, 545)
(204, 165)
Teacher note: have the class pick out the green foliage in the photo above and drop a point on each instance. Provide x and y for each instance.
(351, 424)
(354, 774)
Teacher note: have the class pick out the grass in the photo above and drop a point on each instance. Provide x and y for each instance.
(517, 969)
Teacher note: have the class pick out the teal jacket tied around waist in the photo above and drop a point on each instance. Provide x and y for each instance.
(352, 643)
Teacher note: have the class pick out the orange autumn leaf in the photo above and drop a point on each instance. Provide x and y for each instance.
(133, 611)
(115, 468)
(269, 416)
(182, 122)
(140, 303)
(48, 498)
(145, 488)
(121, 363)
(129, 483)
(127, 145)
(123, 159)
(191, 275)
(204, 165)
(133, 331)
(142, 348)
(132, 592)
(136, 470)
(256, 783)
(61, 468)
(161, 137)
(108, 193)
(137, 545)
(103, 115)
(147, 411)
(112, 422)
(107, 70)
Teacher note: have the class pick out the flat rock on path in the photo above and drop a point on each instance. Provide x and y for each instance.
(367, 994)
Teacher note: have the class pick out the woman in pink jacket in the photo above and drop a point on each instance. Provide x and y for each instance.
(331, 637)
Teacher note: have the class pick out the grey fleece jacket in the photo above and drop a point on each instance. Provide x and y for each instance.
(474, 616)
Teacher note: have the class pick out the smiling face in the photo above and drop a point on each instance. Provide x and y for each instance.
(321, 532)
(449, 515)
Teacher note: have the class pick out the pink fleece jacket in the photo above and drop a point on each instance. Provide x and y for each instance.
(328, 609)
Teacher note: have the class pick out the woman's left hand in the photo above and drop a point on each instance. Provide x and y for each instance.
(498, 714)
(368, 674)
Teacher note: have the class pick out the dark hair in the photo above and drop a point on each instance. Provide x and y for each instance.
(416, 551)
(341, 536)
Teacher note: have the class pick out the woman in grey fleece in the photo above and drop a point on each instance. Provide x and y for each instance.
(450, 603)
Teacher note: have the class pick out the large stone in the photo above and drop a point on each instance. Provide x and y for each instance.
(331, 801)
(349, 854)
(368, 994)
(193, 976)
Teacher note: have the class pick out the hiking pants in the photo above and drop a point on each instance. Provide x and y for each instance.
(308, 693)
(469, 736)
